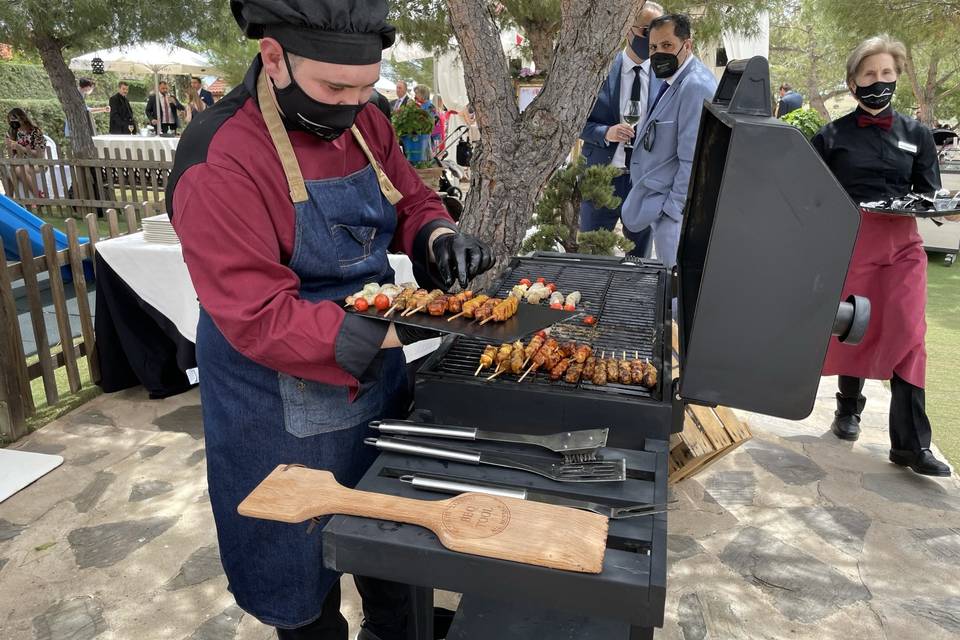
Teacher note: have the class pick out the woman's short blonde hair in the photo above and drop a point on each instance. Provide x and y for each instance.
(422, 91)
(882, 43)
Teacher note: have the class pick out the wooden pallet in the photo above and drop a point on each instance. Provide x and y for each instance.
(708, 434)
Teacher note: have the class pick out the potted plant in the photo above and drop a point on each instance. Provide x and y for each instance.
(413, 126)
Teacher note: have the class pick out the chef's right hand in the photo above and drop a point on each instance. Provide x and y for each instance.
(619, 133)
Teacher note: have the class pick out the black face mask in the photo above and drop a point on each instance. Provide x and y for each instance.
(641, 46)
(14, 125)
(664, 64)
(877, 95)
(327, 121)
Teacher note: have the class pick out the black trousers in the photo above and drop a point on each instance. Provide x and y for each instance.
(909, 425)
(386, 610)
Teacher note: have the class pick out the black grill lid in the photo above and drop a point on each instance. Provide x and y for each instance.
(766, 241)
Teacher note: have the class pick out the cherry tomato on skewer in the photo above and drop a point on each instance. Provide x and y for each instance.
(552, 287)
(361, 305)
(541, 280)
(556, 305)
(525, 281)
(569, 307)
(381, 302)
(590, 320)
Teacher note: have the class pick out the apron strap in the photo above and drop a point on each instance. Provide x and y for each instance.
(281, 141)
(389, 191)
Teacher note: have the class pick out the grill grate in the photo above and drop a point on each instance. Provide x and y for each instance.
(626, 301)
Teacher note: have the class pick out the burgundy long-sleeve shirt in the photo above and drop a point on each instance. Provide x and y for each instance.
(229, 202)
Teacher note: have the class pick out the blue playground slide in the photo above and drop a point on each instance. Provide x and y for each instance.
(14, 217)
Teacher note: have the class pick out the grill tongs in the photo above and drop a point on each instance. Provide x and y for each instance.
(574, 446)
(591, 471)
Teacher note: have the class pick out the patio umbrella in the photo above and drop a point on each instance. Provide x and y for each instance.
(146, 58)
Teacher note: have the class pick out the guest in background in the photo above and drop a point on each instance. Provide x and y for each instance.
(168, 121)
(402, 97)
(121, 113)
(382, 103)
(421, 94)
(86, 86)
(789, 101)
(660, 167)
(194, 105)
(443, 114)
(877, 153)
(605, 134)
(25, 140)
(205, 96)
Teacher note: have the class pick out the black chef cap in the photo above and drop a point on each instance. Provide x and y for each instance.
(336, 31)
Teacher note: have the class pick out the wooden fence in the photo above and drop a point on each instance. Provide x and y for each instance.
(17, 371)
(72, 187)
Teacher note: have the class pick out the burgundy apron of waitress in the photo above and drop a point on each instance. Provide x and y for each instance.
(889, 266)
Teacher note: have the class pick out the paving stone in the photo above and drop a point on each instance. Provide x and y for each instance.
(843, 527)
(10, 530)
(732, 487)
(196, 457)
(150, 451)
(92, 416)
(791, 467)
(801, 587)
(186, 419)
(222, 626)
(942, 544)
(944, 612)
(3, 561)
(148, 489)
(202, 565)
(91, 494)
(87, 458)
(43, 447)
(107, 544)
(75, 619)
(682, 547)
(910, 488)
(690, 617)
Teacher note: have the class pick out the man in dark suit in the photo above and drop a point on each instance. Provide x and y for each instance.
(402, 97)
(604, 134)
(790, 100)
(168, 120)
(121, 113)
(205, 95)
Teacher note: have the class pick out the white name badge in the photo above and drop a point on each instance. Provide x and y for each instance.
(193, 375)
(906, 146)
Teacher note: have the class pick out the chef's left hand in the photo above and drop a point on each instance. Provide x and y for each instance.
(460, 258)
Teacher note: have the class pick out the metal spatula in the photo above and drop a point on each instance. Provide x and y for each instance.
(590, 471)
(574, 446)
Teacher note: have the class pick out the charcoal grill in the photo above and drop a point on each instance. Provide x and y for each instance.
(766, 240)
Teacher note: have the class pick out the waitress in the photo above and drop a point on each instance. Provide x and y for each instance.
(877, 153)
(287, 195)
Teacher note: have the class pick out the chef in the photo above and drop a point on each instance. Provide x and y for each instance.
(286, 196)
(877, 153)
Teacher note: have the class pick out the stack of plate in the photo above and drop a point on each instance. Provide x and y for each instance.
(158, 229)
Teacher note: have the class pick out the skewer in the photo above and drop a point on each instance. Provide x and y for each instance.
(389, 311)
(488, 319)
(526, 373)
(477, 372)
(413, 311)
(496, 373)
(456, 316)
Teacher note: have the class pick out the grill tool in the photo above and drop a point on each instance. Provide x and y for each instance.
(590, 471)
(574, 446)
(456, 486)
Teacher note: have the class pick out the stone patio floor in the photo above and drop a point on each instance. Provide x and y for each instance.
(794, 535)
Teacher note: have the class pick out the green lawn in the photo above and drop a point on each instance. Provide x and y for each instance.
(61, 224)
(943, 348)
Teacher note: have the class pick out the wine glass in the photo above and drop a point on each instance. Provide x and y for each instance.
(130, 128)
(631, 117)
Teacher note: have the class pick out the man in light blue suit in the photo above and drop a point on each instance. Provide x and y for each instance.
(666, 139)
(604, 136)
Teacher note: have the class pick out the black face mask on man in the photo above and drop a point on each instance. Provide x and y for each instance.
(877, 95)
(327, 121)
(641, 45)
(664, 64)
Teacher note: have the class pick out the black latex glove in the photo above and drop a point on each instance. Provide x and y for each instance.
(408, 335)
(460, 258)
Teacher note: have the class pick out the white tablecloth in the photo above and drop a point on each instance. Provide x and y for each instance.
(121, 143)
(157, 273)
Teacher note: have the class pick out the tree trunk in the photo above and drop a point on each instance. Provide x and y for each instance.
(65, 84)
(919, 91)
(541, 36)
(519, 152)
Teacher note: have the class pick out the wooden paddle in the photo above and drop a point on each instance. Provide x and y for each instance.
(504, 528)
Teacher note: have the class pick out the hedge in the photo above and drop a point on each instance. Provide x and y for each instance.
(48, 115)
(30, 82)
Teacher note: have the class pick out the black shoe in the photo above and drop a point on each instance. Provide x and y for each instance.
(922, 462)
(366, 634)
(846, 426)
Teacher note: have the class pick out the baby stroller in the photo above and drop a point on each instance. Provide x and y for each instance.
(452, 176)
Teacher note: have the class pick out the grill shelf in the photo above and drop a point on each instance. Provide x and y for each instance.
(626, 300)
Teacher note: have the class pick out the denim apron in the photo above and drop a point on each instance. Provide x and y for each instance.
(256, 418)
